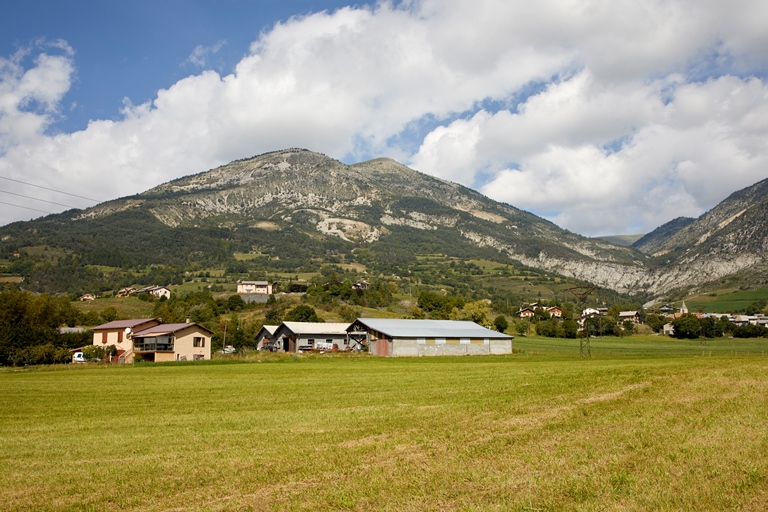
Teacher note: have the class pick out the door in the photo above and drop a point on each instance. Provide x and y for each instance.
(382, 348)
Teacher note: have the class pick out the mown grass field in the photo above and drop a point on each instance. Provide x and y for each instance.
(648, 423)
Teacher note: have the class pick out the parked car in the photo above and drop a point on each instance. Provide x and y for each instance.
(229, 349)
(79, 357)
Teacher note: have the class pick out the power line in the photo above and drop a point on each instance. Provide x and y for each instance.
(25, 207)
(51, 189)
(36, 199)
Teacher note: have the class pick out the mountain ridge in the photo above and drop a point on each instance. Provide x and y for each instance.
(296, 204)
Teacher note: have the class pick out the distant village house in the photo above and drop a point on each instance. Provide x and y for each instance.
(157, 291)
(632, 316)
(254, 287)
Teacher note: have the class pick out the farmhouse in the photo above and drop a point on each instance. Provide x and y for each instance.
(555, 311)
(173, 342)
(157, 291)
(118, 333)
(257, 287)
(301, 336)
(125, 292)
(390, 337)
(632, 316)
(526, 313)
(154, 341)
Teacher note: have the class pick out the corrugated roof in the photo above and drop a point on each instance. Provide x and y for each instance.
(429, 328)
(122, 324)
(316, 327)
(270, 328)
(166, 329)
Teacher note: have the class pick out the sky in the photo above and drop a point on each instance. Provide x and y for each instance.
(605, 117)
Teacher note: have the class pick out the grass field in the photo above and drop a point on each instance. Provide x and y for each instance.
(723, 301)
(648, 423)
(129, 307)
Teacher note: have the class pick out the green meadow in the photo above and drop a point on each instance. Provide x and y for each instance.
(648, 423)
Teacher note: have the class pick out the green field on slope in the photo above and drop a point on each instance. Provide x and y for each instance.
(648, 423)
(723, 301)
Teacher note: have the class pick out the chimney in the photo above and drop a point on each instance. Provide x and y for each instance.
(188, 320)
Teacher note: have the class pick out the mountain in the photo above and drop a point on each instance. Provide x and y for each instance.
(293, 208)
(651, 242)
(735, 227)
(731, 238)
(623, 240)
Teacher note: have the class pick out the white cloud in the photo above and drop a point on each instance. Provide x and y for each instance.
(676, 159)
(618, 138)
(200, 54)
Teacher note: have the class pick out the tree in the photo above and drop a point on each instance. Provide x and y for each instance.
(477, 312)
(750, 331)
(522, 327)
(656, 322)
(302, 313)
(500, 323)
(109, 314)
(710, 327)
(570, 328)
(550, 328)
(686, 327)
(28, 321)
(348, 314)
(235, 303)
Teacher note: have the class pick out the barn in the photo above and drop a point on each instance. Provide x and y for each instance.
(397, 338)
(303, 336)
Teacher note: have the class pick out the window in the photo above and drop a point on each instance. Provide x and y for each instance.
(311, 341)
(198, 341)
(119, 336)
(104, 337)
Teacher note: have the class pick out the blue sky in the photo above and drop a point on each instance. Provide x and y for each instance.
(132, 49)
(605, 118)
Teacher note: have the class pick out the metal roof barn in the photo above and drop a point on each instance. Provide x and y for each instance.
(392, 337)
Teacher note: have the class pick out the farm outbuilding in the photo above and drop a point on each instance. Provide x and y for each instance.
(396, 338)
(266, 336)
(301, 336)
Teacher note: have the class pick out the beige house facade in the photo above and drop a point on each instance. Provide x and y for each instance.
(254, 287)
(118, 333)
(150, 340)
(173, 342)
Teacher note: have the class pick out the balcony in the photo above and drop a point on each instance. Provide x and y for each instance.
(151, 345)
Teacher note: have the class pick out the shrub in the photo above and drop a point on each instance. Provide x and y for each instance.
(500, 323)
(94, 352)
